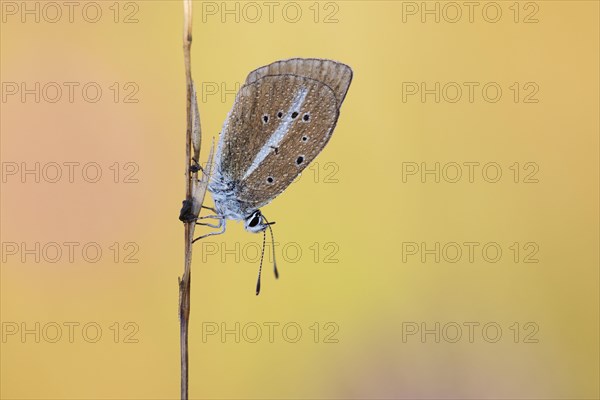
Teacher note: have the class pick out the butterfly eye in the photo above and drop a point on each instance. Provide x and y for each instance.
(294, 115)
(253, 222)
(265, 118)
(306, 117)
(299, 160)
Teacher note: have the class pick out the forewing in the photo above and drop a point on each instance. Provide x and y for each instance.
(245, 131)
(334, 74)
(305, 128)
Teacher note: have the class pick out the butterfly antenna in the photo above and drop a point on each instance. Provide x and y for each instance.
(262, 256)
(273, 245)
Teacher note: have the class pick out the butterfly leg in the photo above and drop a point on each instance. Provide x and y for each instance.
(210, 208)
(221, 224)
(210, 216)
(210, 225)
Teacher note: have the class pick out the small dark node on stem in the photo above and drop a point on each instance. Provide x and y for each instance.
(195, 167)
(186, 214)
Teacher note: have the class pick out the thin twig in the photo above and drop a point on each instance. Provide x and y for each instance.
(185, 280)
(195, 190)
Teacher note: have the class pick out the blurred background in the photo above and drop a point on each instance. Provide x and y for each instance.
(443, 245)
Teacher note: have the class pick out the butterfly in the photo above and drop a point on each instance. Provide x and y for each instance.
(282, 118)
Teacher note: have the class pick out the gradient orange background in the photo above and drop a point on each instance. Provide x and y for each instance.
(358, 205)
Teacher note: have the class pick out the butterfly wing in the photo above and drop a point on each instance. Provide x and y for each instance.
(246, 131)
(281, 120)
(331, 73)
(305, 130)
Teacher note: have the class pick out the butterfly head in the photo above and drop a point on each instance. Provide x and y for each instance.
(256, 222)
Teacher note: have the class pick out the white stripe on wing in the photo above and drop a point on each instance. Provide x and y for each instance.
(281, 131)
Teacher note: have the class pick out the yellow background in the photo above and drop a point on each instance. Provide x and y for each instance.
(371, 293)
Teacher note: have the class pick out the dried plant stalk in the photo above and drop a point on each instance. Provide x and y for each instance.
(195, 190)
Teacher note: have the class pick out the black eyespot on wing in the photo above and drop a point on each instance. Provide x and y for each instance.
(265, 118)
(270, 179)
(306, 117)
(299, 160)
(279, 114)
(294, 115)
(304, 138)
